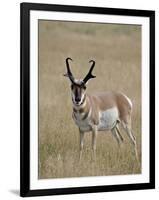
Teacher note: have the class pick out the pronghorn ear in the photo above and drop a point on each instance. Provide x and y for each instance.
(66, 75)
(85, 84)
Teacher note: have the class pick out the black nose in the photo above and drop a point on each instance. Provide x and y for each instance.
(77, 99)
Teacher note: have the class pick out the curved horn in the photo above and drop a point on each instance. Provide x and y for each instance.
(69, 73)
(89, 75)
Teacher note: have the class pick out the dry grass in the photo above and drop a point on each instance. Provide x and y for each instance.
(117, 52)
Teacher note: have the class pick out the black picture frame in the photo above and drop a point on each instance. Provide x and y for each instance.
(25, 9)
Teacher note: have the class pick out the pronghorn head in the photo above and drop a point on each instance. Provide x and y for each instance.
(78, 86)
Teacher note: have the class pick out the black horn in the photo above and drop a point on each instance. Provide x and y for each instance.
(69, 73)
(89, 75)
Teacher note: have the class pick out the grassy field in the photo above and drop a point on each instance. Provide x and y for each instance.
(117, 52)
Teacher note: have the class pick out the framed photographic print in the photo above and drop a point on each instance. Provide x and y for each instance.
(87, 99)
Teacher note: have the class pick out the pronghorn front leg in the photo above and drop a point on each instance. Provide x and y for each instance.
(81, 143)
(94, 139)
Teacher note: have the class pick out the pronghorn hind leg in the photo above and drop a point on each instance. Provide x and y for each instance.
(118, 131)
(130, 134)
(81, 143)
(116, 136)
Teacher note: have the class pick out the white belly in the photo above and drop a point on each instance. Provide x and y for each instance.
(107, 119)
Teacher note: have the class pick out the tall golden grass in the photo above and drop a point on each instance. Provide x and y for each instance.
(117, 52)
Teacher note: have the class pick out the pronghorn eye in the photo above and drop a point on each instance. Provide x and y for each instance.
(84, 87)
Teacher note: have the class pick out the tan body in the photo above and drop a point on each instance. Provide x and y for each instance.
(97, 104)
(103, 112)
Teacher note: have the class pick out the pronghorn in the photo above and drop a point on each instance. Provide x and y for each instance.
(99, 112)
